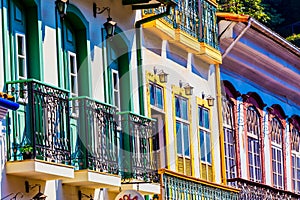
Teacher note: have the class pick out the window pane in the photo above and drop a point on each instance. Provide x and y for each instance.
(293, 161)
(115, 81)
(186, 140)
(21, 62)
(208, 148)
(74, 84)
(177, 107)
(257, 161)
(21, 48)
(159, 97)
(274, 166)
(206, 119)
(73, 64)
(200, 117)
(184, 109)
(250, 158)
(279, 155)
(280, 181)
(249, 144)
(116, 97)
(275, 179)
(152, 98)
(202, 145)
(251, 172)
(179, 138)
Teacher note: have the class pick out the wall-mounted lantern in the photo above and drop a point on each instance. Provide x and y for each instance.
(61, 6)
(109, 25)
(188, 89)
(210, 100)
(163, 76)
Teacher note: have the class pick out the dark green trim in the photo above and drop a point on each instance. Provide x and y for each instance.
(132, 113)
(6, 41)
(81, 26)
(36, 81)
(60, 56)
(91, 99)
(79, 22)
(34, 55)
(120, 44)
(34, 44)
(105, 67)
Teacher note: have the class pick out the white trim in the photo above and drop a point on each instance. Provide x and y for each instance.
(116, 88)
(73, 73)
(21, 56)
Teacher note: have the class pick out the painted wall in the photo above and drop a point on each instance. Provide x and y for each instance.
(184, 66)
(176, 61)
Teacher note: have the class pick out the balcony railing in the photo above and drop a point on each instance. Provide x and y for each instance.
(179, 187)
(256, 191)
(95, 136)
(139, 161)
(41, 125)
(197, 18)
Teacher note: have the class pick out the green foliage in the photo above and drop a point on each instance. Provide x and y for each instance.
(254, 8)
(295, 39)
(26, 148)
(262, 12)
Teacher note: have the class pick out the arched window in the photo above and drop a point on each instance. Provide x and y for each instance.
(253, 142)
(25, 59)
(229, 138)
(230, 94)
(276, 132)
(75, 69)
(295, 154)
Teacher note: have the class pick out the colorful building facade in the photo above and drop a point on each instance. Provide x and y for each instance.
(260, 109)
(124, 98)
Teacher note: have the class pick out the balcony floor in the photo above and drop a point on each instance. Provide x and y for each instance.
(92, 179)
(41, 170)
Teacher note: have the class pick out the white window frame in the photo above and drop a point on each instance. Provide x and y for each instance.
(296, 154)
(116, 88)
(155, 106)
(73, 73)
(24, 56)
(228, 128)
(255, 137)
(277, 171)
(277, 148)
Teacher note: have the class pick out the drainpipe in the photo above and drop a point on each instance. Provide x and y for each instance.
(138, 30)
(237, 39)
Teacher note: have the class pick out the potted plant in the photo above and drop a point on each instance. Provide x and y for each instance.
(26, 151)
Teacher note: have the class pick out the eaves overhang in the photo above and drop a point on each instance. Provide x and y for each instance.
(261, 56)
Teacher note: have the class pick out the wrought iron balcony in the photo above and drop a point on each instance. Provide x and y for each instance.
(195, 18)
(178, 186)
(95, 136)
(255, 191)
(40, 129)
(138, 160)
